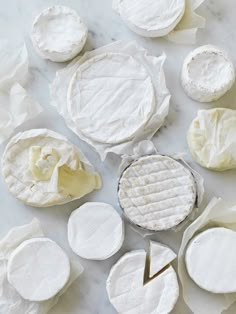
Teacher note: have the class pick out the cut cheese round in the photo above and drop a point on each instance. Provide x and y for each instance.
(157, 192)
(95, 231)
(38, 269)
(207, 74)
(130, 295)
(211, 139)
(151, 18)
(58, 34)
(42, 168)
(111, 97)
(210, 260)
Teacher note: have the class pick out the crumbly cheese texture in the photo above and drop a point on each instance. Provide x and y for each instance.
(207, 74)
(160, 256)
(211, 139)
(128, 293)
(210, 260)
(157, 192)
(111, 97)
(58, 33)
(95, 231)
(42, 168)
(151, 18)
(38, 269)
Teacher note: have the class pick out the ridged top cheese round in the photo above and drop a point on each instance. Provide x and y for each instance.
(207, 74)
(58, 33)
(111, 97)
(211, 260)
(151, 18)
(157, 192)
(38, 269)
(95, 231)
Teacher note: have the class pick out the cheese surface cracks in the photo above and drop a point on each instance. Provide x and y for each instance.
(42, 168)
(157, 192)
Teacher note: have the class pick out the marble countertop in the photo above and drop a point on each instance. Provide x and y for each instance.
(88, 295)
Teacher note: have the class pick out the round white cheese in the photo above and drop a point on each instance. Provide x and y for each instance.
(151, 18)
(95, 231)
(211, 139)
(207, 74)
(58, 34)
(42, 168)
(128, 292)
(111, 97)
(38, 269)
(210, 260)
(157, 192)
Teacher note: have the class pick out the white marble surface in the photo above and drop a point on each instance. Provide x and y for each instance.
(88, 295)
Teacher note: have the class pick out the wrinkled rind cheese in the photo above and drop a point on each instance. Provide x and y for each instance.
(128, 293)
(157, 192)
(95, 231)
(38, 269)
(39, 183)
(151, 18)
(211, 139)
(207, 74)
(111, 97)
(210, 260)
(58, 34)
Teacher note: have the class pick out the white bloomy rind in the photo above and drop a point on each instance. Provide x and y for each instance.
(207, 74)
(210, 260)
(128, 293)
(42, 168)
(38, 269)
(58, 34)
(151, 18)
(95, 231)
(157, 192)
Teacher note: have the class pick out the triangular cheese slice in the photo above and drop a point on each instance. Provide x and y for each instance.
(160, 256)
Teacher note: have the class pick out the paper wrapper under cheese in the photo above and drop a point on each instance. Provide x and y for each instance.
(145, 148)
(10, 301)
(16, 106)
(217, 213)
(154, 65)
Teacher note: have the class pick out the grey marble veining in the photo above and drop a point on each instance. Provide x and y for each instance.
(87, 295)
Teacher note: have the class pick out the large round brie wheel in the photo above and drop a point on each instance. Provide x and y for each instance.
(151, 18)
(207, 74)
(111, 97)
(157, 192)
(58, 34)
(95, 231)
(128, 292)
(38, 269)
(210, 260)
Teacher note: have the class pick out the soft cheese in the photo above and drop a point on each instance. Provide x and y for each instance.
(151, 18)
(211, 138)
(46, 265)
(210, 260)
(95, 231)
(128, 292)
(58, 33)
(207, 73)
(42, 168)
(157, 192)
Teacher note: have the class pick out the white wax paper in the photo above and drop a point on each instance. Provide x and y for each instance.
(154, 66)
(16, 106)
(10, 301)
(217, 213)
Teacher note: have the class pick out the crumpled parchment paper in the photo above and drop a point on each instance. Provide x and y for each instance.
(154, 66)
(16, 105)
(10, 301)
(217, 213)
